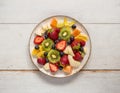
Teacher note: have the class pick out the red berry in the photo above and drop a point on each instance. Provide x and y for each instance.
(53, 35)
(64, 60)
(78, 56)
(38, 39)
(61, 45)
(53, 67)
(57, 30)
(74, 43)
(82, 43)
(41, 61)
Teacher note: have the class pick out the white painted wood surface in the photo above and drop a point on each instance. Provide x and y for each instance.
(100, 17)
(85, 82)
(87, 11)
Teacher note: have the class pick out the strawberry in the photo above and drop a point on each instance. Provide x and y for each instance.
(53, 67)
(41, 61)
(53, 35)
(61, 45)
(64, 60)
(38, 39)
(75, 45)
(82, 43)
(78, 56)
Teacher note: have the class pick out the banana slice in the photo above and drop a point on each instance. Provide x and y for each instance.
(46, 66)
(39, 31)
(68, 50)
(73, 62)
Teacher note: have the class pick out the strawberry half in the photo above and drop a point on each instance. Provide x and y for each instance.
(53, 67)
(61, 45)
(78, 56)
(38, 39)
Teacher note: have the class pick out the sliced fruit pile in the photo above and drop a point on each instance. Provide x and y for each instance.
(59, 46)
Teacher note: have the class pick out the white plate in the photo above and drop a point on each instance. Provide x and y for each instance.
(60, 73)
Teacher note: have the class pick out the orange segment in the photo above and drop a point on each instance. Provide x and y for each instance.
(75, 32)
(67, 69)
(53, 23)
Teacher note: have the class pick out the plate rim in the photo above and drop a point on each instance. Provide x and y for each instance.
(79, 24)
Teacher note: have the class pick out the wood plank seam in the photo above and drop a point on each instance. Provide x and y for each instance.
(92, 70)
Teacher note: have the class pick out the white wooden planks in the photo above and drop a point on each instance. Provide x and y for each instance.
(14, 46)
(84, 82)
(19, 17)
(86, 11)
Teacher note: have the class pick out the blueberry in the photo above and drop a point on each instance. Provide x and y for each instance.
(46, 36)
(72, 38)
(61, 53)
(47, 60)
(53, 46)
(56, 41)
(45, 53)
(37, 47)
(69, 42)
(81, 49)
(60, 67)
(73, 26)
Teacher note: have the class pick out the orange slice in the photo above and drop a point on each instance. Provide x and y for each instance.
(75, 32)
(67, 69)
(53, 23)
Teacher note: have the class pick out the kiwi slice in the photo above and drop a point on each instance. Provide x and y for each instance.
(53, 56)
(65, 33)
(47, 44)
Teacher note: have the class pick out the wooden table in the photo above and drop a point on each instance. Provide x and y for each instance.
(17, 20)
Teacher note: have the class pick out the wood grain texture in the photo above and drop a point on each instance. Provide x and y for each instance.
(14, 46)
(87, 11)
(85, 82)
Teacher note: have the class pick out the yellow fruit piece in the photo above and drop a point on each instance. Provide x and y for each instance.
(71, 23)
(65, 21)
(67, 69)
(60, 25)
(81, 36)
(40, 54)
(40, 48)
(35, 52)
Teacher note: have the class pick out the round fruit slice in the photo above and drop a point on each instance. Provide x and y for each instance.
(47, 44)
(61, 45)
(53, 56)
(38, 39)
(65, 33)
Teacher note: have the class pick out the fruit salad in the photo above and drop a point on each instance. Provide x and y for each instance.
(60, 45)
